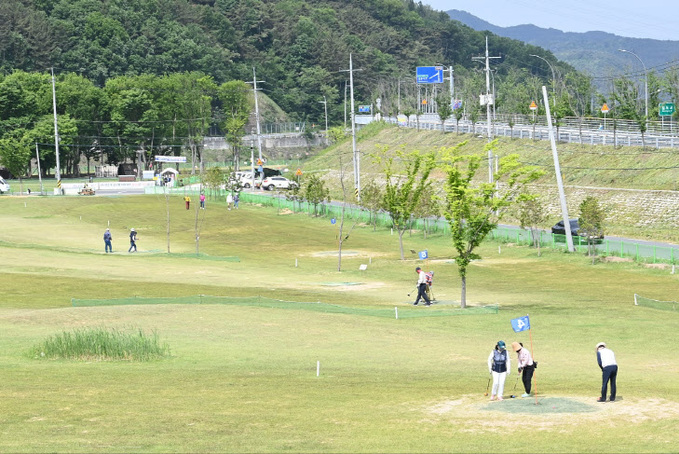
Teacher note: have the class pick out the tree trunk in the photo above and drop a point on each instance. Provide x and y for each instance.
(400, 241)
(167, 209)
(463, 290)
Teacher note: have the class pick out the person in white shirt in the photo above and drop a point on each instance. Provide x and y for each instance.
(421, 288)
(609, 368)
(499, 367)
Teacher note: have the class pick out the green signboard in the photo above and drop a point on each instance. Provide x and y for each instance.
(666, 109)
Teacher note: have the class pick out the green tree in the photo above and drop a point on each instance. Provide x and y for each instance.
(315, 192)
(15, 156)
(214, 179)
(445, 110)
(371, 199)
(531, 214)
(472, 209)
(236, 105)
(403, 190)
(592, 217)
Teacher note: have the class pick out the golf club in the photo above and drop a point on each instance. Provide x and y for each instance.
(514, 390)
(487, 387)
(412, 291)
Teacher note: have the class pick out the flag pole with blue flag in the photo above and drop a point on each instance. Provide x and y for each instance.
(523, 324)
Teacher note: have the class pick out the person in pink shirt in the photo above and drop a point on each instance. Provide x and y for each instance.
(202, 201)
(526, 366)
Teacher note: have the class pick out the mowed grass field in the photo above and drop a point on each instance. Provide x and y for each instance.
(244, 379)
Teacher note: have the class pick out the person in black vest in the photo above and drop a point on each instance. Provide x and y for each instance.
(499, 367)
(133, 241)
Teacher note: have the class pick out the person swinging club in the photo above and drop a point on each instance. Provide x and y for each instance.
(421, 288)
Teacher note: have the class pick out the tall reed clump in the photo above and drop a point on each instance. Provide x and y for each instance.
(102, 344)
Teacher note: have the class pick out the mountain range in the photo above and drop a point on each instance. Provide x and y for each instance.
(596, 53)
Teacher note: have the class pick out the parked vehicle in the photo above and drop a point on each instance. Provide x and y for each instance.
(560, 229)
(272, 183)
(4, 186)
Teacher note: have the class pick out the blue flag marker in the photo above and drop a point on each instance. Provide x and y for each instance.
(424, 255)
(333, 220)
(520, 324)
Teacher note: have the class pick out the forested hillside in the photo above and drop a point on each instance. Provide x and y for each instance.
(298, 47)
(134, 77)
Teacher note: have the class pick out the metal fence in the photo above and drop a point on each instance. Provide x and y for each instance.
(636, 250)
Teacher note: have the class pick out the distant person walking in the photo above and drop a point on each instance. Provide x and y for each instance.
(421, 287)
(202, 201)
(187, 200)
(236, 199)
(526, 366)
(609, 370)
(229, 201)
(499, 367)
(133, 240)
(108, 247)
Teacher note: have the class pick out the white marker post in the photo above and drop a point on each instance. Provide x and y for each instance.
(318, 368)
(295, 263)
(396, 310)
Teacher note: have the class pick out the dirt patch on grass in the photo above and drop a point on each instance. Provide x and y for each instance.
(480, 415)
(346, 253)
(616, 259)
(353, 286)
(659, 266)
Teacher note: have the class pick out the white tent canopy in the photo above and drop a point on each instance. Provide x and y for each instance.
(169, 170)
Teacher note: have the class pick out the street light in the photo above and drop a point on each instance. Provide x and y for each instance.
(325, 105)
(645, 80)
(553, 77)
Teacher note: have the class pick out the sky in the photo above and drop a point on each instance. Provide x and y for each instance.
(656, 19)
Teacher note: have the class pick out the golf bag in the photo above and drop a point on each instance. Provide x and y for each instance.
(429, 279)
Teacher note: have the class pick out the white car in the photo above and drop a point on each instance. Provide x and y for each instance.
(272, 183)
(245, 179)
(4, 186)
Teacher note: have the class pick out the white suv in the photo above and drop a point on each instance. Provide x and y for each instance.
(272, 183)
(245, 179)
(4, 186)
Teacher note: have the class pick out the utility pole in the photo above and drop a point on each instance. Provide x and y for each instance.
(452, 88)
(357, 161)
(325, 105)
(259, 131)
(488, 101)
(57, 171)
(559, 179)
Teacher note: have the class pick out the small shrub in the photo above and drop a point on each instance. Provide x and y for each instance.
(102, 344)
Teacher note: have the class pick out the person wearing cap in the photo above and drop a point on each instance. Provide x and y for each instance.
(526, 366)
(609, 368)
(421, 287)
(499, 367)
(108, 247)
(133, 240)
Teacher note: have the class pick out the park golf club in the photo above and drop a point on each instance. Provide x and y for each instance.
(515, 383)
(487, 387)
(412, 291)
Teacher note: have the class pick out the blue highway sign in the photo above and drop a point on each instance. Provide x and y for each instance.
(430, 74)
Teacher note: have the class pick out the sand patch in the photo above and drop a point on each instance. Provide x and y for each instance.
(477, 414)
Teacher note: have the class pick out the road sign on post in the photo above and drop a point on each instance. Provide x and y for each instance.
(533, 106)
(605, 109)
(429, 74)
(666, 109)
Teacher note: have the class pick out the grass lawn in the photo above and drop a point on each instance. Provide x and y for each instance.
(243, 378)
